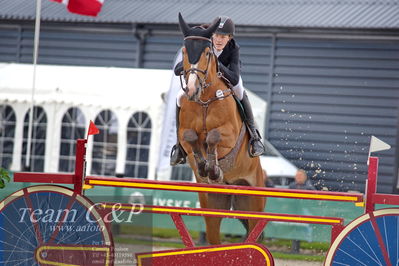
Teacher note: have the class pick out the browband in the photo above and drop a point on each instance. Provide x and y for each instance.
(197, 38)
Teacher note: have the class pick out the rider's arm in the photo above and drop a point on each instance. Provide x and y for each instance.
(232, 71)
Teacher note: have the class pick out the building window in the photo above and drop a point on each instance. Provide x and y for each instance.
(7, 133)
(138, 145)
(38, 140)
(72, 128)
(105, 145)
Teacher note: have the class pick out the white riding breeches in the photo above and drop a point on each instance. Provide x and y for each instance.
(238, 90)
(180, 94)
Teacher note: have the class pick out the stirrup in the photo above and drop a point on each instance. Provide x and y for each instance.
(252, 149)
(177, 155)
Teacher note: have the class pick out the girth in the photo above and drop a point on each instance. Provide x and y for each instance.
(227, 162)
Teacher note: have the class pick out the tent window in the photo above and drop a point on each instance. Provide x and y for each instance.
(105, 144)
(7, 133)
(38, 143)
(138, 145)
(182, 173)
(72, 128)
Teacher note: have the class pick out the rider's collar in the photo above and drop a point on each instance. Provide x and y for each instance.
(216, 52)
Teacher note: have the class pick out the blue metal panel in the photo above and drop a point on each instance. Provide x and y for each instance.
(328, 98)
(8, 44)
(160, 50)
(255, 57)
(67, 46)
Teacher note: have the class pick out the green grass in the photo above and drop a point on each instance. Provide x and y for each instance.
(316, 246)
(303, 257)
(321, 246)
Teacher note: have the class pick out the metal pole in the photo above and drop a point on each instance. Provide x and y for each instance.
(32, 105)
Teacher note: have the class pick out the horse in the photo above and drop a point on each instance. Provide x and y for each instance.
(212, 131)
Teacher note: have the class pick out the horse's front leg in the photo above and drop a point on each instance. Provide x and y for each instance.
(215, 174)
(191, 137)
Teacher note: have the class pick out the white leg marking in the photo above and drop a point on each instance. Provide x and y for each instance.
(192, 78)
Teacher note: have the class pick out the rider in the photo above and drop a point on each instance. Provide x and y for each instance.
(227, 51)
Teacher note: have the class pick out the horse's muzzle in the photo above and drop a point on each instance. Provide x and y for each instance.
(193, 93)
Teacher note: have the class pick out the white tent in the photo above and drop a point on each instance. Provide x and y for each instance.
(93, 89)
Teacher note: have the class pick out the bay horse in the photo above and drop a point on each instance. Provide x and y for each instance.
(212, 131)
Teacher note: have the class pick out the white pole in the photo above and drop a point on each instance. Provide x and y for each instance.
(35, 55)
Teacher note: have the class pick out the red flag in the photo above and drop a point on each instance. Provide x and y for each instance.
(83, 7)
(93, 130)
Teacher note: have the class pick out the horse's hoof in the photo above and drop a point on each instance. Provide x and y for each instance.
(201, 169)
(218, 181)
(215, 174)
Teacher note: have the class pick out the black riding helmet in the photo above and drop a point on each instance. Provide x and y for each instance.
(226, 26)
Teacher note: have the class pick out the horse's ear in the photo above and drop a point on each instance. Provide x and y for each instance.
(212, 28)
(183, 25)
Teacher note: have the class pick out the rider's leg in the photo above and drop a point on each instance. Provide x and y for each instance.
(256, 145)
(177, 155)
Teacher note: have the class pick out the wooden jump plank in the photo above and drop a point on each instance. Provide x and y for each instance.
(44, 178)
(224, 189)
(381, 198)
(137, 208)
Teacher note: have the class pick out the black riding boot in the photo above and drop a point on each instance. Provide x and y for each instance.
(177, 155)
(256, 146)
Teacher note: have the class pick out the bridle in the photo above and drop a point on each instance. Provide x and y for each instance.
(202, 82)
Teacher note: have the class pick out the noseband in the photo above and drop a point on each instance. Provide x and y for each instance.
(202, 82)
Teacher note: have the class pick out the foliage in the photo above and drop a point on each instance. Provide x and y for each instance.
(4, 176)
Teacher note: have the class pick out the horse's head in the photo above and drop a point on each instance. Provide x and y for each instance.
(197, 55)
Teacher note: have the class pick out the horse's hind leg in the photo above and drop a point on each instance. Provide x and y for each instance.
(212, 166)
(214, 201)
(248, 203)
(191, 137)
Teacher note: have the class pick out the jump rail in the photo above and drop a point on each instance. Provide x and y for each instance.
(336, 224)
(224, 189)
